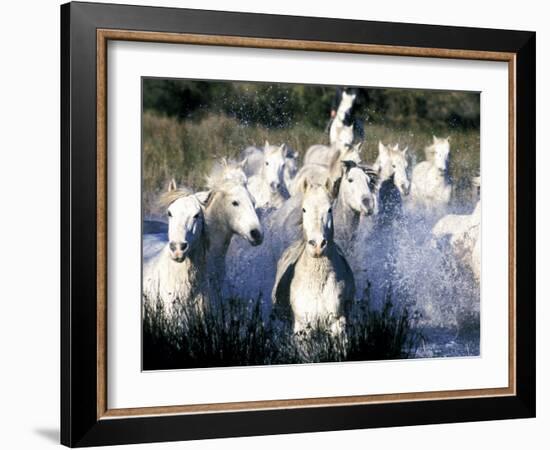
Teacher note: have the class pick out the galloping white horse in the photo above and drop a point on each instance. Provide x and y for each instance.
(267, 184)
(354, 190)
(314, 282)
(270, 171)
(391, 164)
(393, 183)
(356, 197)
(430, 185)
(229, 211)
(326, 154)
(341, 128)
(464, 232)
(177, 273)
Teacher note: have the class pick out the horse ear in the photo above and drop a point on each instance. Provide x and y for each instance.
(172, 186)
(357, 147)
(305, 185)
(382, 148)
(405, 149)
(435, 138)
(266, 144)
(448, 138)
(203, 197)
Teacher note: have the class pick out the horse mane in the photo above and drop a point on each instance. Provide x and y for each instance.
(373, 175)
(169, 197)
(224, 171)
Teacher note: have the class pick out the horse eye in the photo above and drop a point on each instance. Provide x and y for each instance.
(196, 216)
(235, 203)
(169, 214)
(393, 165)
(303, 210)
(267, 163)
(350, 180)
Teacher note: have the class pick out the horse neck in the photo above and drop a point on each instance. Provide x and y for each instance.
(218, 231)
(385, 184)
(338, 123)
(437, 175)
(346, 220)
(191, 268)
(384, 174)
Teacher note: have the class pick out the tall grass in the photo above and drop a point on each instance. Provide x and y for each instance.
(234, 333)
(185, 150)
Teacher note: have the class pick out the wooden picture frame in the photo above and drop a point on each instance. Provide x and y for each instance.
(85, 417)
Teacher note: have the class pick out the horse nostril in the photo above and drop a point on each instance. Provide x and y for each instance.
(323, 243)
(173, 246)
(312, 242)
(255, 234)
(184, 246)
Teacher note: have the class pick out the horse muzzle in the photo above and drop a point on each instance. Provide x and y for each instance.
(317, 249)
(367, 207)
(178, 251)
(274, 187)
(178, 257)
(256, 237)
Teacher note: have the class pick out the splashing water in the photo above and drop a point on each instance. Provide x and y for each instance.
(395, 259)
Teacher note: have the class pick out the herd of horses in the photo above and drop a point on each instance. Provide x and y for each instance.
(305, 219)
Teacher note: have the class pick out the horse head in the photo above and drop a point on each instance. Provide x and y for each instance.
(317, 219)
(439, 152)
(355, 189)
(392, 163)
(230, 205)
(273, 169)
(185, 221)
(344, 108)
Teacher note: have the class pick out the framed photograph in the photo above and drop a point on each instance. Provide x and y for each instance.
(276, 224)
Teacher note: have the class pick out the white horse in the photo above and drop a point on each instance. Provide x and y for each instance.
(430, 185)
(229, 211)
(392, 164)
(341, 128)
(465, 237)
(355, 198)
(314, 283)
(326, 154)
(393, 182)
(270, 171)
(267, 185)
(177, 273)
(354, 190)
